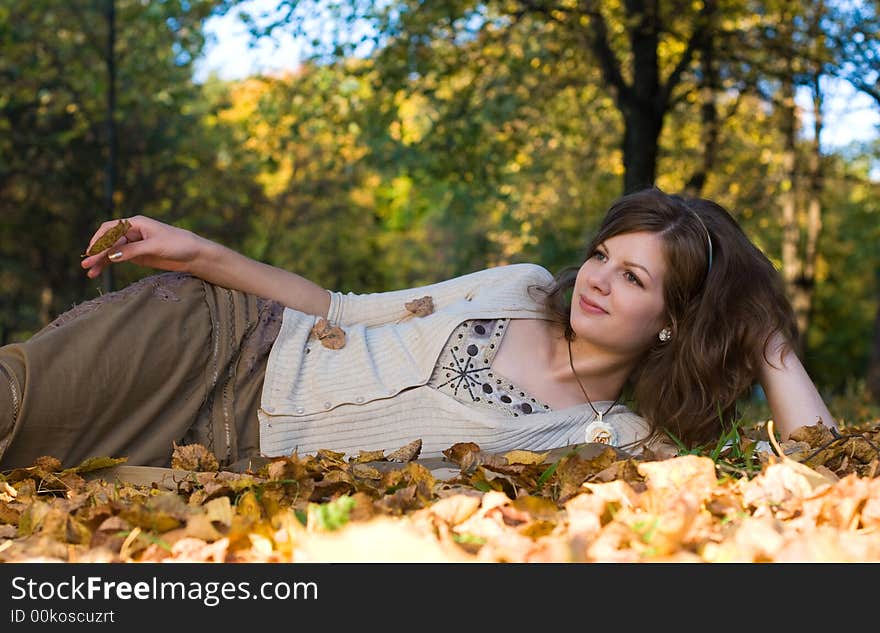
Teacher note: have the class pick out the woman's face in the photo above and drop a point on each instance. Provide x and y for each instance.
(618, 294)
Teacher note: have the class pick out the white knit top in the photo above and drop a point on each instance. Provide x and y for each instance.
(374, 392)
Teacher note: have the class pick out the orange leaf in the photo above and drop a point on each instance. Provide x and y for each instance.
(420, 307)
(331, 336)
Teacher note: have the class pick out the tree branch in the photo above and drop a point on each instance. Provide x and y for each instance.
(608, 61)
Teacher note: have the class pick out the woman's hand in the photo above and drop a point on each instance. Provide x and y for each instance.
(147, 242)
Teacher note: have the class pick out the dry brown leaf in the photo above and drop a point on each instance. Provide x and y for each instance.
(9, 513)
(574, 471)
(406, 453)
(199, 526)
(109, 238)
(198, 551)
(48, 464)
(194, 457)
(815, 435)
(7, 492)
(368, 456)
(421, 307)
(365, 472)
(533, 508)
(363, 508)
(331, 336)
(525, 457)
(670, 480)
(455, 508)
(219, 510)
(457, 452)
(815, 479)
(289, 468)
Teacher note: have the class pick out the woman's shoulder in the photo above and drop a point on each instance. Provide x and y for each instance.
(521, 271)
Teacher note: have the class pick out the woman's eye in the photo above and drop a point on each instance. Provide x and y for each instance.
(632, 278)
(628, 275)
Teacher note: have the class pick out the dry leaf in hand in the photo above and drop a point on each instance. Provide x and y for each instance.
(421, 307)
(110, 237)
(331, 336)
(406, 453)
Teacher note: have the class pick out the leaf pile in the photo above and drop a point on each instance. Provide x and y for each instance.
(817, 501)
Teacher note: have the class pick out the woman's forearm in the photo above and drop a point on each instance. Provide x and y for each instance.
(225, 267)
(793, 398)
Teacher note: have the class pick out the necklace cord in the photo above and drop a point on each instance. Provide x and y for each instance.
(599, 416)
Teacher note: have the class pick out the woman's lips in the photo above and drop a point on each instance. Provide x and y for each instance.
(590, 307)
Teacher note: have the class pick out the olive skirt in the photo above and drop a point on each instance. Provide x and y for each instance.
(169, 359)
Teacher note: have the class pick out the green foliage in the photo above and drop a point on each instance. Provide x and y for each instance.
(54, 143)
(733, 451)
(333, 514)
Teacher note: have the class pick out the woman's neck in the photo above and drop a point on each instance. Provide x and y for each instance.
(602, 372)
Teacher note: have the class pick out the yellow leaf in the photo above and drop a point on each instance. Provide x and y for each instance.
(248, 506)
(814, 478)
(219, 509)
(109, 238)
(528, 458)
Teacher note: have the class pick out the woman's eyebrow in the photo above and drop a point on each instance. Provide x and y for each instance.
(631, 264)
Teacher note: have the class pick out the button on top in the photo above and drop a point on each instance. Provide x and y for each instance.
(299, 409)
(327, 405)
(269, 409)
(359, 399)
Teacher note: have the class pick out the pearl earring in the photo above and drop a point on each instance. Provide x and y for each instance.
(664, 335)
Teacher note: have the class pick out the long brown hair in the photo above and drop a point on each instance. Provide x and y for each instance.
(722, 315)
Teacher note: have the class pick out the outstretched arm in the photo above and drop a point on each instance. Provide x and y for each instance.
(793, 398)
(152, 243)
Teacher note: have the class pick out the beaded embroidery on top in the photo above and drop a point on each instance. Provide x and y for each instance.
(464, 370)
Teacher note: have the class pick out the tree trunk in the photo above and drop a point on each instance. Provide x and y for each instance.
(873, 377)
(642, 106)
(644, 101)
(110, 168)
(711, 126)
(791, 261)
(640, 140)
(807, 282)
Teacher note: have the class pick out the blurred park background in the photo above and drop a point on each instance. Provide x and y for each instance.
(410, 141)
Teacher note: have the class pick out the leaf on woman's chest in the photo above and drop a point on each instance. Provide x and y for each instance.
(331, 336)
(422, 306)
